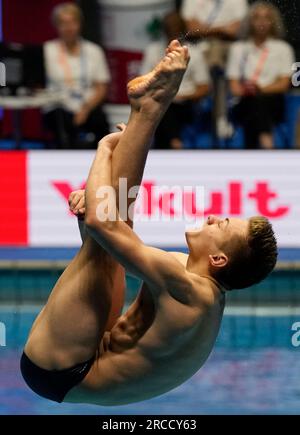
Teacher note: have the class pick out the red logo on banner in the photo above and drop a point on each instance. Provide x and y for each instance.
(229, 202)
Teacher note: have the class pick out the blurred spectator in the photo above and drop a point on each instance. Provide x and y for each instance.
(195, 85)
(259, 70)
(216, 23)
(220, 19)
(78, 69)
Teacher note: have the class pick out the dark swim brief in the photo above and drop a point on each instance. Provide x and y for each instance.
(53, 385)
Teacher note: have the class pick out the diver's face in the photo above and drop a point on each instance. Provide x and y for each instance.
(261, 22)
(216, 233)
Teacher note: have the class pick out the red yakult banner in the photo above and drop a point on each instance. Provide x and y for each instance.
(179, 188)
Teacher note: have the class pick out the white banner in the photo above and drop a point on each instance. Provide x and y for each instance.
(124, 23)
(236, 184)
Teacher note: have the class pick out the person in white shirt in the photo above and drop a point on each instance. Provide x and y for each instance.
(259, 70)
(195, 85)
(214, 18)
(216, 24)
(78, 70)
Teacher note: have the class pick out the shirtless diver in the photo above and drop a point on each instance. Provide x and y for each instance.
(81, 349)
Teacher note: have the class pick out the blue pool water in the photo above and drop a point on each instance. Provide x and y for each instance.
(254, 369)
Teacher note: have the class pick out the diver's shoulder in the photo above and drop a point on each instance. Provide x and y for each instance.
(208, 294)
(181, 257)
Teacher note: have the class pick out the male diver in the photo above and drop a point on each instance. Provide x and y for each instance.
(81, 348)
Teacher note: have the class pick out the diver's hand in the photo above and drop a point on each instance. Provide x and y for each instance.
(77, 203)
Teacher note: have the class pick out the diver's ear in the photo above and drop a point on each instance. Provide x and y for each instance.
(219, 260)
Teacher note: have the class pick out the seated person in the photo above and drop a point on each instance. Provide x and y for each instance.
(214, 19)
(195, 85)
(259, 71)
(77, 68)
(216, 24)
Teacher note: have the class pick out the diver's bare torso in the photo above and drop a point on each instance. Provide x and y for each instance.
(159, 343)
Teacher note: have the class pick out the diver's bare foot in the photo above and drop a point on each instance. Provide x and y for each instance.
(162, 84)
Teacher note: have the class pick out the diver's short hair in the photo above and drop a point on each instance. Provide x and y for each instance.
(250, 259)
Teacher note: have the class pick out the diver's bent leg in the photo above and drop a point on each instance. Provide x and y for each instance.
(69, 329)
